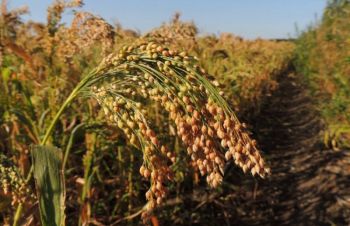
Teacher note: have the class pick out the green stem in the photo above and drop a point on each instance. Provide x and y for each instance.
(68, 101)
(18, 214)
(70, 143)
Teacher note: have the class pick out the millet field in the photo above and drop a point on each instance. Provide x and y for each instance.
(102, 125)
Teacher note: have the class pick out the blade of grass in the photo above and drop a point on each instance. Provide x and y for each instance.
(47, 161)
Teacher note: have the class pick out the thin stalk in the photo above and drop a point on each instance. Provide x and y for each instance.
(88, 175)
(130, 178)
(18, 214)
(68, 101)
(69, 145)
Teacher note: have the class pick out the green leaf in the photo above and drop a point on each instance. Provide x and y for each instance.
(47, 161)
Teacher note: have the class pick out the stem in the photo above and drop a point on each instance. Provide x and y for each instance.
(47, 135)
(70, 143)
(18, 214)
(68, 101)
(88, 175)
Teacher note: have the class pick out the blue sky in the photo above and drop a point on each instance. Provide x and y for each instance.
(247, 18)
